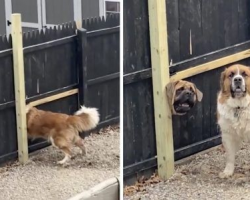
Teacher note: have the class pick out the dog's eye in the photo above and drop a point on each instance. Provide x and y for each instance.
(231, 75)
(244, 74)
(180, 89)
(191, 89)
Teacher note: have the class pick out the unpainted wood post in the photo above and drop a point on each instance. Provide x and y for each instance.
(160, 75)
(18, 63)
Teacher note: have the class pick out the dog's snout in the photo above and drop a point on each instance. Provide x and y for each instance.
(188, 93)
(238, 80)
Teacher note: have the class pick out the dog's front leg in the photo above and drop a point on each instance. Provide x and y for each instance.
(231, 145)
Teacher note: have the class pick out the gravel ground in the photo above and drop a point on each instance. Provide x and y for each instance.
(198, 180)
(43, 179)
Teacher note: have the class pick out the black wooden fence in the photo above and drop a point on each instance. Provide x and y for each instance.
(58, 60)
(212, 29)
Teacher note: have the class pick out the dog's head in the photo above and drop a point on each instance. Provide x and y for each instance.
(235, 81)
(182, 96)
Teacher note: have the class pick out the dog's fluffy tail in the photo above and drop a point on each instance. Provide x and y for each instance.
(84, 119)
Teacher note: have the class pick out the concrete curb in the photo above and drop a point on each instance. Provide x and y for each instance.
(108, 189)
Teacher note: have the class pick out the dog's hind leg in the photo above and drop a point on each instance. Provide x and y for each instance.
(80, 143)
(63, 146)
(67, 156)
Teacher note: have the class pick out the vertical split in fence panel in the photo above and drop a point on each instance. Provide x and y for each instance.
(82, 64)
(17, 46)
(160, 75)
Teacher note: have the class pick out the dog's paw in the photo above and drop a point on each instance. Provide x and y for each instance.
(83, 152)
(225, 174)
(65, 160)
(61, 162)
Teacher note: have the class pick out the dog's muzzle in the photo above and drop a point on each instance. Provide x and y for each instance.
(184, 101)
(238, 86)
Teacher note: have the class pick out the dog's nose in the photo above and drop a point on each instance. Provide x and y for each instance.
(188, 93)
(238, 80)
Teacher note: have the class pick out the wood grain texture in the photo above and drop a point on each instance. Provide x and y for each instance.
(139, 127)
(211, 65)
(18, 65)
(53, 98)
(160, 75)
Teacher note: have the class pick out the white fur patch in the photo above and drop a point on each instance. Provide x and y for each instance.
(238, 70)
(234, 117)
(27, 108)
(51, 140)
(238, 75)
(241, 102)
(227, 120)
(92, 112)
(65, 159)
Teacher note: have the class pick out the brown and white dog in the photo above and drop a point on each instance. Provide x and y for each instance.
(233, 111)
(61, 130)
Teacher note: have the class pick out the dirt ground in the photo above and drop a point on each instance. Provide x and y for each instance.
(198, 180)
(43, 179)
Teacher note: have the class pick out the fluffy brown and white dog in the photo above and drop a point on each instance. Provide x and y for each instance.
(233, 110)
(61, 130)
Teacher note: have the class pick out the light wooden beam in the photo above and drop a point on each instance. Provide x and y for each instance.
(53, 97)
(160, 75)
(17, 45)
(211, 65)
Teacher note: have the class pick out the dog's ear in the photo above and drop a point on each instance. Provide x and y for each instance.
(222, 79)
(199, 94)
(171, 91)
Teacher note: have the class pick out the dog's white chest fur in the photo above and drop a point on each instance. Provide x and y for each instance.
(234, 117)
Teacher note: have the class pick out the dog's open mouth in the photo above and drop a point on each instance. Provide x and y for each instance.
(185, 105)
(182, 107)
(184, 101)
(238, 91)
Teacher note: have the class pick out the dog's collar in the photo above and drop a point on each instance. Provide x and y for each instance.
(237, 111)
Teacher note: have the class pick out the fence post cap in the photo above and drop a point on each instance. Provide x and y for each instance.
(81, 30)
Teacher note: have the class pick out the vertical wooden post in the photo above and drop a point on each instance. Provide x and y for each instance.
(17, 44)
(82, 64)
(160, 74)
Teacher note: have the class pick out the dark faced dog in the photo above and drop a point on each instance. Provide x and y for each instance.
(182, 96)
